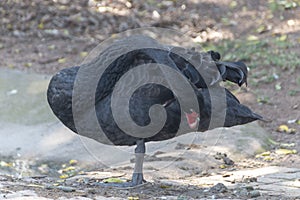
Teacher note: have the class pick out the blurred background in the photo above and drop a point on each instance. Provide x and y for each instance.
(38, 38)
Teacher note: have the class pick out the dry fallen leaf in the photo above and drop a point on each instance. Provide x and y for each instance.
(267, 153)
(73, 162)
(252, 38)
(113, 180)
(287, 144)
(282, 38)
(233, 4)
(41, 25)
(268, 158)
(51, 47)
(5, 164)
(285, 129)
(261, 29)
(133, 198)
(61, 60)
(291, 22)
(35, 185)
(222, 166)
(278, 86)
(67, 169)
(285, 151)
(83, 54)
(165, 186)
(64, 176)
(29, 64)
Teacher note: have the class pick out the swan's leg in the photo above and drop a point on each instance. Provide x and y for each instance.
(137, 176)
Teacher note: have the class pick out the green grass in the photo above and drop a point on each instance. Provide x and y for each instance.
(276, 5)
(271, 52)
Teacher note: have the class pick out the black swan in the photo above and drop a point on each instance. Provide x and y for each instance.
(215, 107)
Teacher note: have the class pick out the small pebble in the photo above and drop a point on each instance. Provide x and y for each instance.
(3, 179)
(220, 187)
(252, 179)
(66, 188)
(243, 192)
(254, 193)
(49, 186)
(92, 191)
(228, 161)
(249, 188)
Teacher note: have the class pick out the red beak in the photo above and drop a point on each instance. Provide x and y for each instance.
(192, 119)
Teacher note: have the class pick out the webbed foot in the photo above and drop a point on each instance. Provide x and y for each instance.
(137, 180)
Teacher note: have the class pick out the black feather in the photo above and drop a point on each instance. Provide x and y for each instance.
(61, 87)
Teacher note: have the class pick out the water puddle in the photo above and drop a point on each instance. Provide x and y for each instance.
(23, 98)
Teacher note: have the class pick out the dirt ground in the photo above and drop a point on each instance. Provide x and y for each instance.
(45, 36)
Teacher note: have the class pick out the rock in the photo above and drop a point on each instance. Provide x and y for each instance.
(249, 188)
(228, 161)
(66, 188)
(242, 192)
(247, 191)
(49, 186)
(220, 188)
(250, 179)
(2, 178)
(254, 193)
